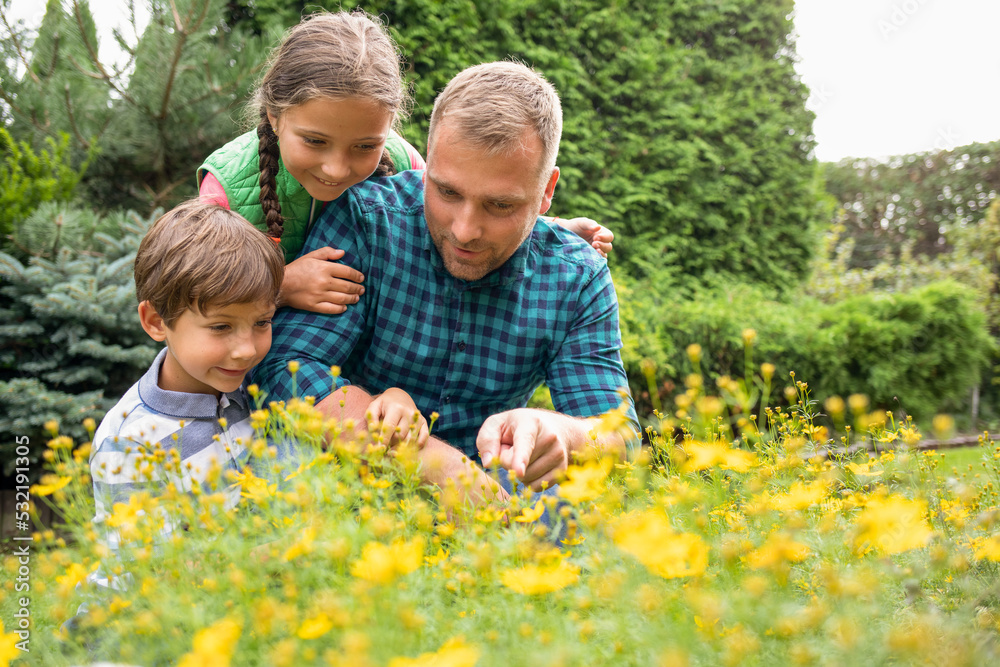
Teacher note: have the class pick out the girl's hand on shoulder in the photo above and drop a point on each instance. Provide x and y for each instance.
(399, 418)
(316, 282)
(596, 235)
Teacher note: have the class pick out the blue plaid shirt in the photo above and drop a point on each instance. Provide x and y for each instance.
(463, 349)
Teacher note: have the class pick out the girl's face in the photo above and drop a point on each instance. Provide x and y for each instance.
(328, 145)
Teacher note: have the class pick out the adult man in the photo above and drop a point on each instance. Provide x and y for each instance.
(470, 302)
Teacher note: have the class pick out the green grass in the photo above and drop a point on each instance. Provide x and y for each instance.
(960, 458)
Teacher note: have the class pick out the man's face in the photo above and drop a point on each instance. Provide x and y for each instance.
(479, 209)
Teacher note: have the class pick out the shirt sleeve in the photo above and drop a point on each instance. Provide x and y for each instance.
(587, 377)
(317, 341)
(211, 191)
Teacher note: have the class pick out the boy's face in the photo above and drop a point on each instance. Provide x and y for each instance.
(211, 352)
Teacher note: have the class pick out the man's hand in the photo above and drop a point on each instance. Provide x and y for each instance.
(534, 445)
(399, 418)
(317, 283)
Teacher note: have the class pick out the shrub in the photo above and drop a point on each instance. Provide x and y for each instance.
(29, 178)
(920, 351)
(70, 342)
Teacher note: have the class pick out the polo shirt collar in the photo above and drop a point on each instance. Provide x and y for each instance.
(181, 404)
(507, 273)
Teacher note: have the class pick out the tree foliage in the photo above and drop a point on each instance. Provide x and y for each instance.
(155, 116)
(912, 200)
(70, 339)
(685, 126)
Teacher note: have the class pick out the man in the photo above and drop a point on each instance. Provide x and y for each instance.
(470, 301)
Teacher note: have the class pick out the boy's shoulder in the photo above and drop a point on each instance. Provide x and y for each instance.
(133, 421)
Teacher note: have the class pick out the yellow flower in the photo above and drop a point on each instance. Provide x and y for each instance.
(800, 496)
(253, 487)
(381, 563)
(779, 548)
(891, 525)
(302, 546)
(8, 647)
(75, 573)
(50, 484)
(531, 514)
(988, 549)
(649, 537)
(703, 455)
(694, 352)
(293, 367)
(536, 579)
(438, 558)
(314, 627)
(613, 421)
(126, 516)
(749, 335)
(213, 646)
(454, 653)
(864, 470)
(585, 482)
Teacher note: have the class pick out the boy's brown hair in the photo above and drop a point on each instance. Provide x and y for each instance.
(200, 255)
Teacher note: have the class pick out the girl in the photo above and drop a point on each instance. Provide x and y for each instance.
(326, 108)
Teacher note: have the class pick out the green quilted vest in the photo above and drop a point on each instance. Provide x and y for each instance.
(237, 167)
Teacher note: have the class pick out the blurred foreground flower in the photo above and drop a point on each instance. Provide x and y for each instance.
(213, 646)
(649, 537)
(454, 653)
(891, 525)
(381, 563)
(50, 484)
(585, 482)
(704, 455)
(536, 579)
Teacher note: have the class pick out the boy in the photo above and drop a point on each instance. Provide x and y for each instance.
(207, 282)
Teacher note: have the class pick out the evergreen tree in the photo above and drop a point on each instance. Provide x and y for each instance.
(685, 130)
(186, 77)
(70, 342)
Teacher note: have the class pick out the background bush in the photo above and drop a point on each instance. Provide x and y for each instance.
(919, 352)
(70, 342)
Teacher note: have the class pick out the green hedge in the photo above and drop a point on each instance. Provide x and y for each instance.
(920, 351)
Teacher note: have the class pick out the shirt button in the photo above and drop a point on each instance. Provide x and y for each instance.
(447, 399)
(461, 346)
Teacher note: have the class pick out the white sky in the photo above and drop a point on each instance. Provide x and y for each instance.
(900, 76)
(888, 77)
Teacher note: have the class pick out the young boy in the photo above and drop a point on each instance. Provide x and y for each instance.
(207, 282)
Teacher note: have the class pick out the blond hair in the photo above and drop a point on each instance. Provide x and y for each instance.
(328, 55)
(492, 105)
(200, 255)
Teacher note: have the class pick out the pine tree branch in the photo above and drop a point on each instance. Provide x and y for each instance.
(183, 31)
(17, 47)
(96, 61)
(72, 120)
